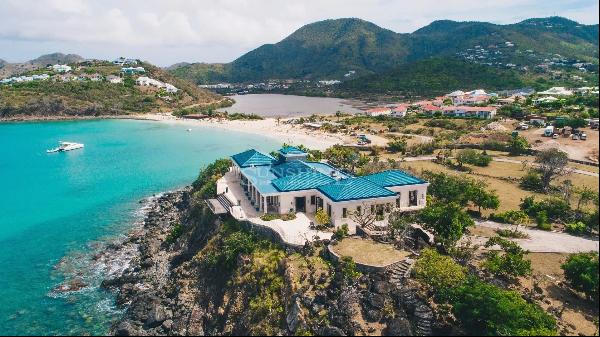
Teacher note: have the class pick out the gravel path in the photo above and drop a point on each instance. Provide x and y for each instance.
(545, 242)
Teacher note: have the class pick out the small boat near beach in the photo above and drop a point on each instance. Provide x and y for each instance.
(66, 146)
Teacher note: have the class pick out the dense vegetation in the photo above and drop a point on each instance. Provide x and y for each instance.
(482, 309)
(435, 76)
(332, 48)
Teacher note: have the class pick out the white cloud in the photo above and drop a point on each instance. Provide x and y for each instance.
(220, 30)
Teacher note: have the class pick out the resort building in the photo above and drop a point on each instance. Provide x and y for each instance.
(258, 184)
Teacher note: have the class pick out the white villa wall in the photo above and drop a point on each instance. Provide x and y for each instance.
(287, 201)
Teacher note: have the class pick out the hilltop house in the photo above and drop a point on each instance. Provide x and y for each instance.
(133, 70)
(61, 68)
(258, 183)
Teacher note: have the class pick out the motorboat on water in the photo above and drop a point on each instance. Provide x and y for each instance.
(65, 146)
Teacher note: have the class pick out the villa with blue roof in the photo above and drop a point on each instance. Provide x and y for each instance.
(258, 184)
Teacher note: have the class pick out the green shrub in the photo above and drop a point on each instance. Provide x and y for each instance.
(341, 232)
(541, 219)
(269, 217)
(511, 233)
(439, 272)
(511, 263)
(472, 157)
(532, 181)
(557, 209)
(511, 217)
(576, 228)
(322, 218)
(487, 310)
(581, 271)
(205, 185)
(347, 268)
(397, 146)
(174, 234)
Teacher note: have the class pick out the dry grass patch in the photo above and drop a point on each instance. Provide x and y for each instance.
(369, 252)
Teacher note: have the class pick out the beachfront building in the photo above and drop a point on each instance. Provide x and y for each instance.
(259, 184)
(380, 111)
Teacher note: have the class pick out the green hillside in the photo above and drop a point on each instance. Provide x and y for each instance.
(435, 76)
(329, 49)
(84, 97)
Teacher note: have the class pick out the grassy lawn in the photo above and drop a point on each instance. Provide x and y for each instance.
(369, 252)
(503, 177)
(510, 193)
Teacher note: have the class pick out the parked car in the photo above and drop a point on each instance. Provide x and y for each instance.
(575, 136)
(583, 136)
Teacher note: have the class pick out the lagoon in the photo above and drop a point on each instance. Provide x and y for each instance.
(64, 204)
(276, 105)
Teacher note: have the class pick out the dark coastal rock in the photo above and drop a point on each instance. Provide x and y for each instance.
(398, 327)
(382, 287)
(70, 286)
(376, 301)
(157, 315)
(125, 329)
(331, 331)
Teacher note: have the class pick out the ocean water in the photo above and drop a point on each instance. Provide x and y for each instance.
(56, 209)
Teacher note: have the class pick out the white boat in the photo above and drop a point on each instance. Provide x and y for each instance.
(188, 130)
(66, 146)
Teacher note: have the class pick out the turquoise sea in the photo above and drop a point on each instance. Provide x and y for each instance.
(61, 205)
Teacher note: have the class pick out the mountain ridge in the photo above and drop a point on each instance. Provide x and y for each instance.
(330, 48)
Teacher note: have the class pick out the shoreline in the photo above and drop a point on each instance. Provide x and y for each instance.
(267, 127)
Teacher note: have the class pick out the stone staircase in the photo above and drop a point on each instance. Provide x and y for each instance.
(225, 202)
(400, 271)
(424, 317)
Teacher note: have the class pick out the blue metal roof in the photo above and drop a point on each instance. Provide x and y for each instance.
(326, 169)
(393, 178)
(252, 158)
(354, 189)
(290, 168)
(302, 181)
(291, 150)
(261, 177)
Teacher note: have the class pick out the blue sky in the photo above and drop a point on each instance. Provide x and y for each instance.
(166, 32)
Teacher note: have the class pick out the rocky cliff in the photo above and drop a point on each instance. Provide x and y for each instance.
(195, 274)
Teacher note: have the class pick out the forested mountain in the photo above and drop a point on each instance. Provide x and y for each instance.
(331, 48)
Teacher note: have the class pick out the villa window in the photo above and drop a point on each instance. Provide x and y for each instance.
(398, 201)
(372, 209)
(358, 209)
(329, 210)
(313, 200)
(412, 198)
(344, 212)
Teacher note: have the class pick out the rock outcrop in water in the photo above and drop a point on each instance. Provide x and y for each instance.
(194, 274)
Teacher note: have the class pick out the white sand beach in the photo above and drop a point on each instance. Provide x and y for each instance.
(269, 127)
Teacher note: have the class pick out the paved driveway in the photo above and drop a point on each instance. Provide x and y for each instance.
(544, 242)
